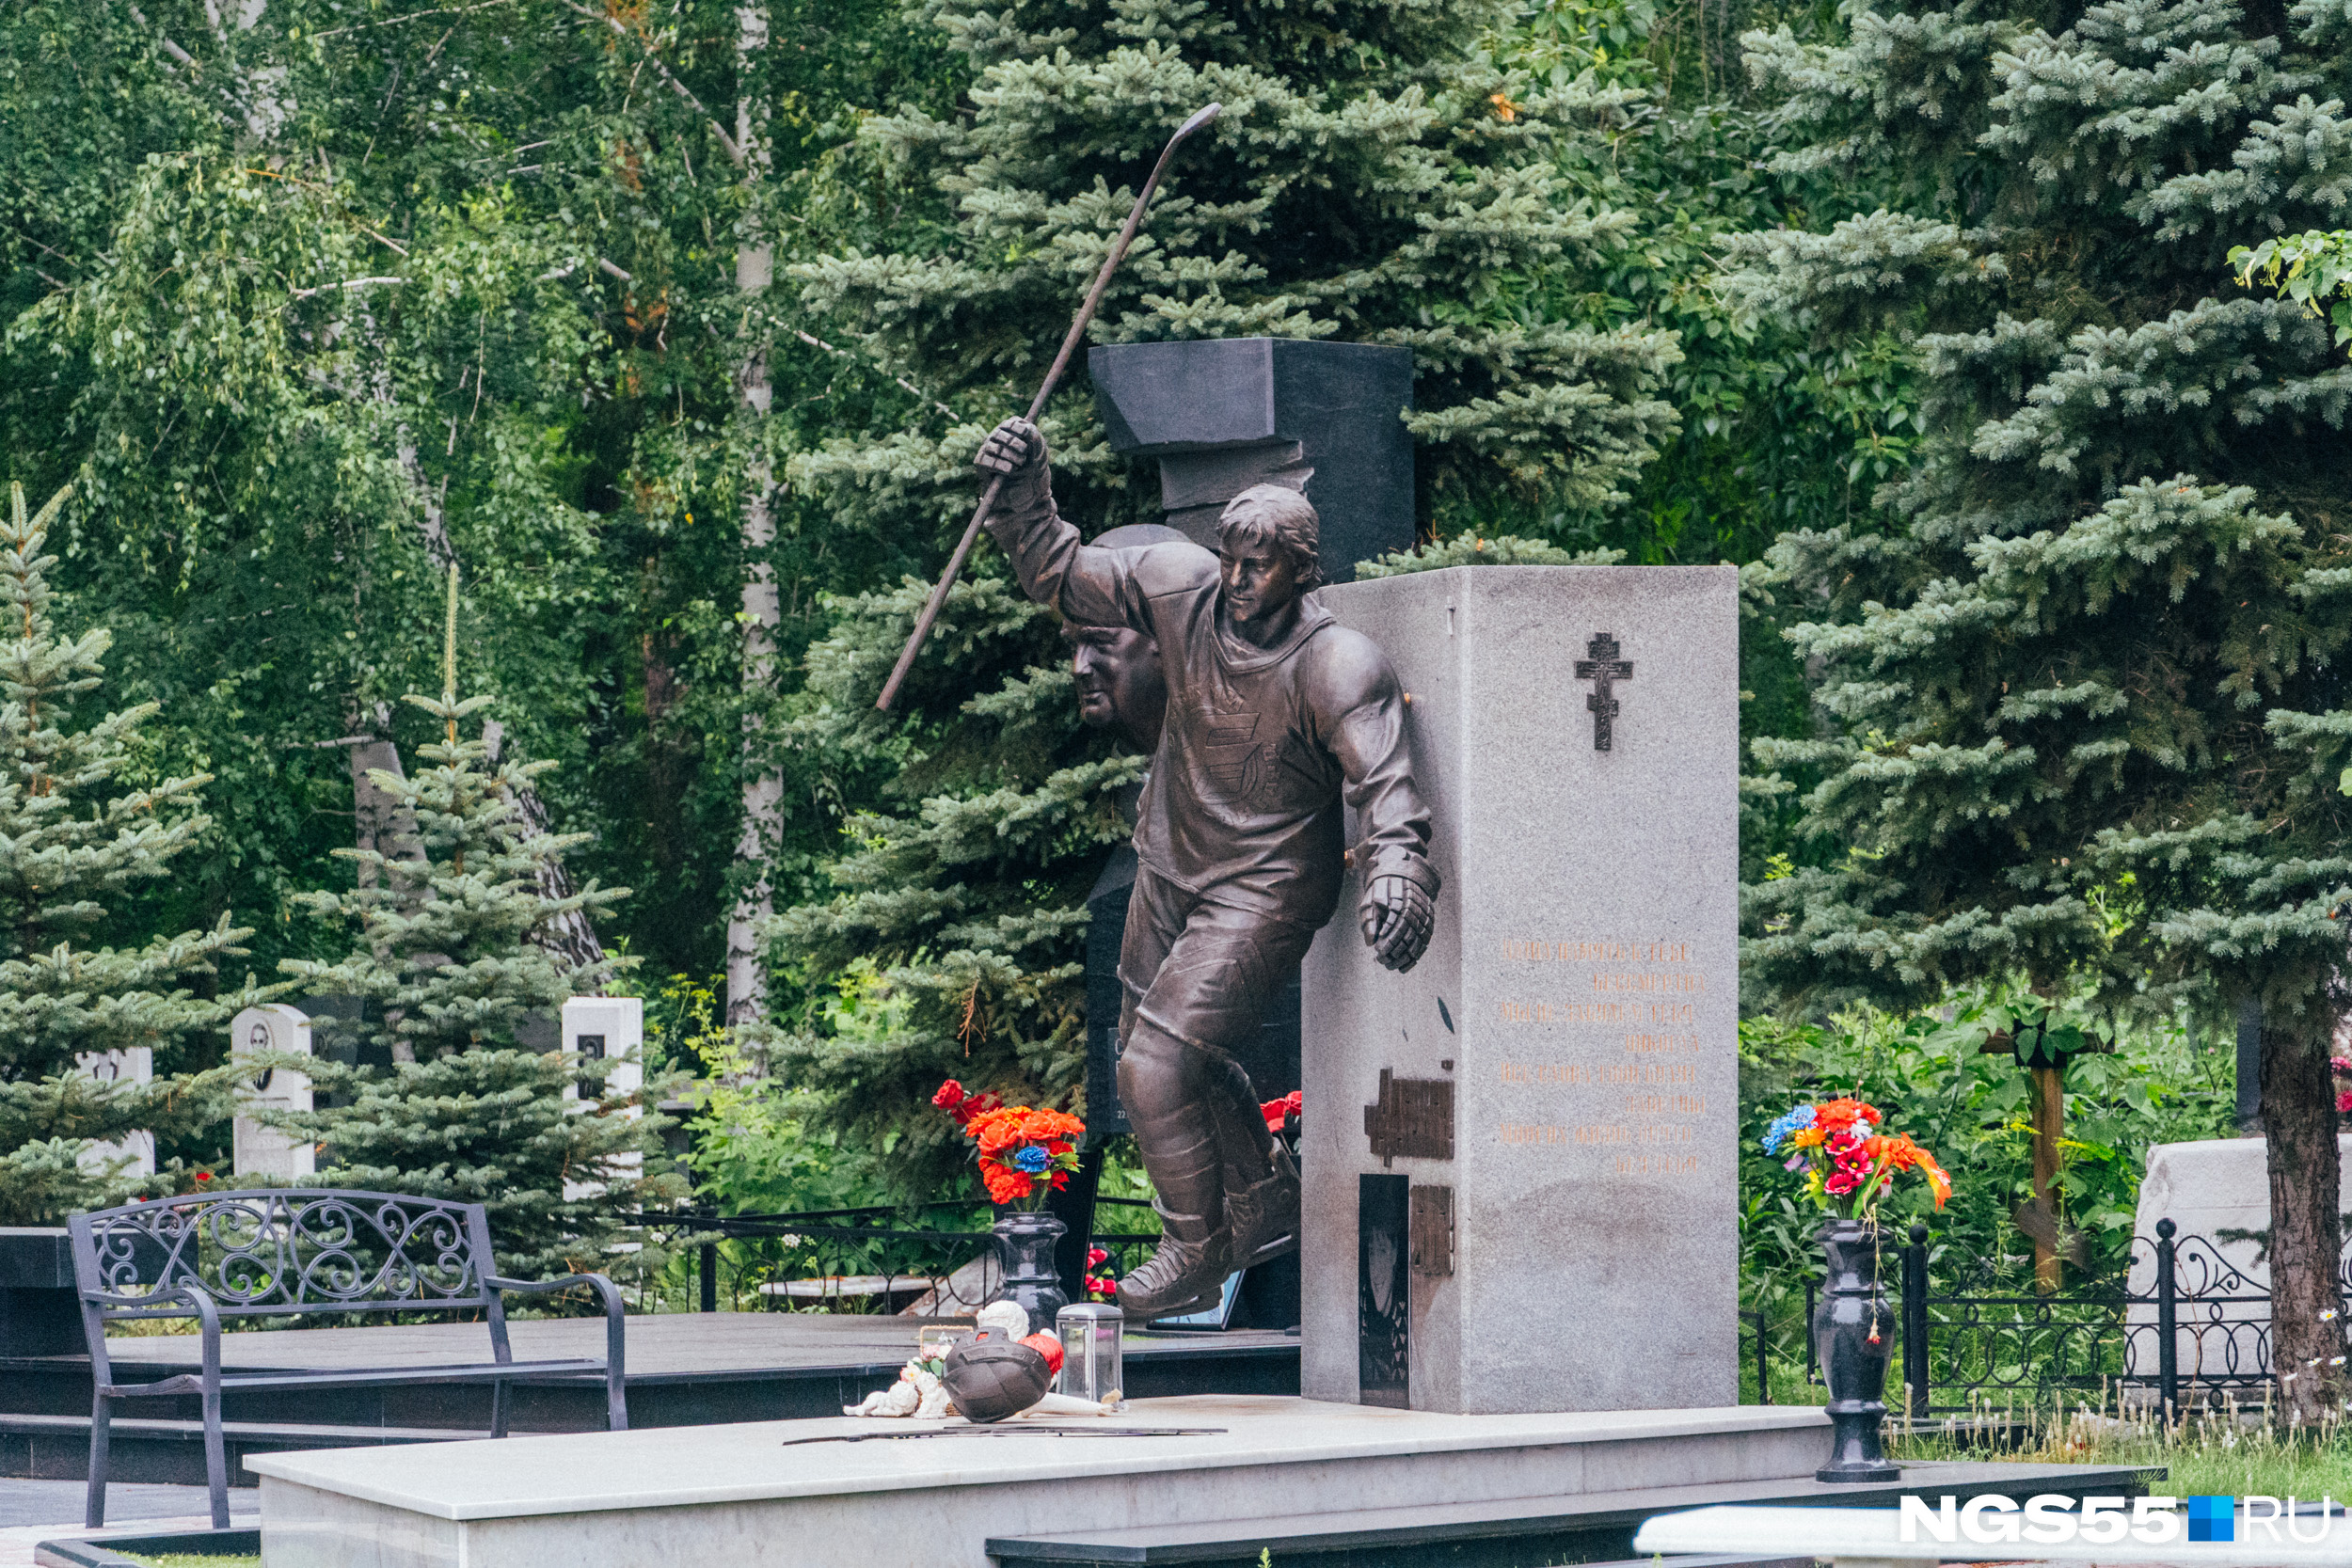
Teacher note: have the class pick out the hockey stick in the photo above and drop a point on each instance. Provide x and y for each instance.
(1053, 378)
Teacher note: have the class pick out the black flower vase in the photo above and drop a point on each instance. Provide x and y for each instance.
(1854, 1335)
(1024, 1253)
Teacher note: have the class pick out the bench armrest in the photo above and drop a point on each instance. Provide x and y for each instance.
(200, 1308)
(605, 1289)
(199, 1303)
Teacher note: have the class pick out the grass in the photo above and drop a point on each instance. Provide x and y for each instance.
(1788, 1381)
(2228, 1451)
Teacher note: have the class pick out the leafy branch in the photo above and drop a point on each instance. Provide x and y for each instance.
(2310, 268)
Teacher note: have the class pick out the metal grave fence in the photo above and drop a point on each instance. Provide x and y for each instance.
(2184, 1321)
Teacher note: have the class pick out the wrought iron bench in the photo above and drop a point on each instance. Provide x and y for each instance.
(293, 1252)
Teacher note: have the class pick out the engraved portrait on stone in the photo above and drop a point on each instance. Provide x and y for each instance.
(1276, 718)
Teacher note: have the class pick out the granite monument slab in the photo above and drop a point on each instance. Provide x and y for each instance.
(1542, 1114)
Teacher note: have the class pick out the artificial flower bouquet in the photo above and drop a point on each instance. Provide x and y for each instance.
(1024, 1153)
(1100, 1287)
(1281, 1116)
(1847, 1164)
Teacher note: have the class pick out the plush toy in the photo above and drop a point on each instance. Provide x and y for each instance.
(919, 1392)
(1009, 1317)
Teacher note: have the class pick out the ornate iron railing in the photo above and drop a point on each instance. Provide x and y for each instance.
(286, 1250)
(2179, 1324)
(869, 1260)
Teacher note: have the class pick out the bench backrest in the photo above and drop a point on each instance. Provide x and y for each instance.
(286, 1251)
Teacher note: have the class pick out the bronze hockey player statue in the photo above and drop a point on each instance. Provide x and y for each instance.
(1274, 714)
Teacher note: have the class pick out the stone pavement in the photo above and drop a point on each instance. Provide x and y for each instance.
(32, 1511)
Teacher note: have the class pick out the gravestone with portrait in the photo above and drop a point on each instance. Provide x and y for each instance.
(604, 1029)
(129, 1065)
(273, 1030)
(1519, 1161)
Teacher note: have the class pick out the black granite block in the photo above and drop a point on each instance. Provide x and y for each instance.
(39, 1314)
(1228, 413)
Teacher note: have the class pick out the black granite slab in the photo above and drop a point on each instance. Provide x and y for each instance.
(1225, 414)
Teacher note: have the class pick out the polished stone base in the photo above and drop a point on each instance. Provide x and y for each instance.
(736, 1495)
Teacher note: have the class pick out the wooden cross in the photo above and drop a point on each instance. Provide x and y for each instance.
(1604, 669)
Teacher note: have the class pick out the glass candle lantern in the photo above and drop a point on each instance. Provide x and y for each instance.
(1091, 1333)
(933, 1341)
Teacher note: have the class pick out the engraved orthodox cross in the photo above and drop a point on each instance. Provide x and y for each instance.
(1604, 669)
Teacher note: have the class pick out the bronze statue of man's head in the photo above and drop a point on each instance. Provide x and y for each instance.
(1120, 679)
(1267, 540)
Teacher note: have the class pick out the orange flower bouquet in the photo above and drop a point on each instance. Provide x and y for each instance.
(1847, 1164)
(1024, 1153)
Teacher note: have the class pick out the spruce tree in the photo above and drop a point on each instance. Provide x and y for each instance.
(68, 841)
(1375, 177)
(949, 939)
(442, 947)
(2080, 678)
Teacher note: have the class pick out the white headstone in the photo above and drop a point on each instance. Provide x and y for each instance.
(259, 1150)
(2217, 1194)
(132, 1065)
(1521, 1170)
(607, 1029)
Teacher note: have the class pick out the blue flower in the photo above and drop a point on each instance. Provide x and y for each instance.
(1788, 1125)
(1031, 1158)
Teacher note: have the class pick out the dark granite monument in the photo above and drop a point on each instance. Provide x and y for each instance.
(1224, 414)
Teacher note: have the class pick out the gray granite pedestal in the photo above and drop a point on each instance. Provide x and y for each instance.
(1519, 1159)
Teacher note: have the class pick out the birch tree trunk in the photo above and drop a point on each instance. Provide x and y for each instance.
(569, 938)
(763, 792)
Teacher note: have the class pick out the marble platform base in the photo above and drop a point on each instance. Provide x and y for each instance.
(736, 1495)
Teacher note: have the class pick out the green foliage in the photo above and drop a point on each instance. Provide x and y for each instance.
(755, 1149)
(1775, 430)
(2311, 268)
(440, 941)
(2161, 1083)
(67, 840)
(2079, 704)
(441, 944)
(2080, 727)
(295, 291)
(1375, 177)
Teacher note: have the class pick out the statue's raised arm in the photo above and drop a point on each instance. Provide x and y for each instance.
(1089, 587)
